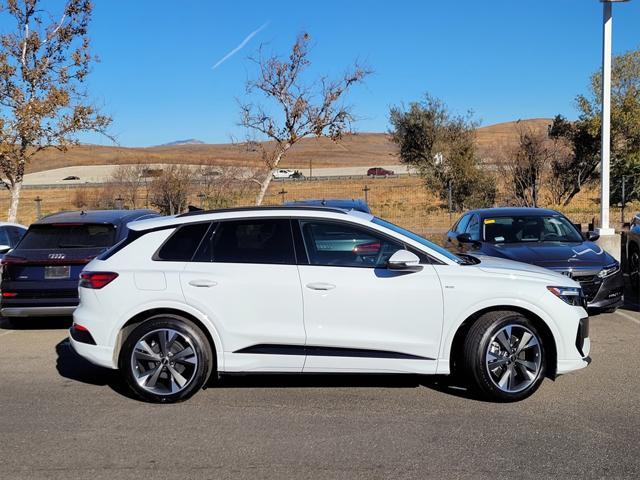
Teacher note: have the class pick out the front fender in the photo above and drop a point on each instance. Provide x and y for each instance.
(452, 325)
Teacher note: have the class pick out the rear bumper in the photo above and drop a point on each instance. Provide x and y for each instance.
(96, 354)
(63, 311)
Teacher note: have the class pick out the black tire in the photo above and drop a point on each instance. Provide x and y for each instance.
(189, 333)
(476, 347)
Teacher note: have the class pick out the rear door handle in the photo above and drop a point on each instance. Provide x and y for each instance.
(321, 286)
(203, 283)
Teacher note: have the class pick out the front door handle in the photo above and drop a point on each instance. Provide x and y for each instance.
(203, 283)
(321, 286)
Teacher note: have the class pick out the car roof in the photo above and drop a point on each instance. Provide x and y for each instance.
(509, 211)
(9, 224)
(342, 203)
(249, 212)
(95, 216)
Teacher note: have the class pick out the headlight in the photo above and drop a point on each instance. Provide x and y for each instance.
(571, 295)
(609, 270)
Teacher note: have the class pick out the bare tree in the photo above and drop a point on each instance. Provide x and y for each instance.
(128, 181)
(43, 65)
(302, 109)
(169, 192)
(526, 164)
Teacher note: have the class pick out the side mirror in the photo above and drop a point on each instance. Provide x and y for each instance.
(4, 248)
(591, 236)
(465, 238)
(404, 260)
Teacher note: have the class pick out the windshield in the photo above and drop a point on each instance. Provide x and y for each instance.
(419, 239)
(527, 229)
(68, 236)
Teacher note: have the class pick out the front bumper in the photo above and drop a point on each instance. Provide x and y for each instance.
(608, 294)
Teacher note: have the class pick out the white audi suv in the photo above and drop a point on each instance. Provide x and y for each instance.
(313, 289)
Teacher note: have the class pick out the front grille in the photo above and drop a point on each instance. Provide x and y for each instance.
(588, 280)
(590, 287)
(583, 332)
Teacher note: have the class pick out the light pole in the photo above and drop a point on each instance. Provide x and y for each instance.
(605, 147)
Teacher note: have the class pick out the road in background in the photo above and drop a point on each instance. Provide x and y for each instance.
(91, 174)
(61, 417)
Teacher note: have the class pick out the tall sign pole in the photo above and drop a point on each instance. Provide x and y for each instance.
(605, 148)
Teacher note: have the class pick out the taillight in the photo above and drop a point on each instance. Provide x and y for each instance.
(13, 260)
(96, 280)
(9, 294)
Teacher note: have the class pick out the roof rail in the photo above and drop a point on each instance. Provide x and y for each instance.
(266, 207)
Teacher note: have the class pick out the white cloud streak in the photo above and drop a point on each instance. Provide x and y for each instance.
(240, 46)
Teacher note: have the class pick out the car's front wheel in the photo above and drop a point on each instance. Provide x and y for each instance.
(166, 359)
(504, 356)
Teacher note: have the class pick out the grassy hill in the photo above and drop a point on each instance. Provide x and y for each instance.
(366, 149)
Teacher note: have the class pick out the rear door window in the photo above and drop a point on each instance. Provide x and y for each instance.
(250, 241)
(63, 236)
(4, 237)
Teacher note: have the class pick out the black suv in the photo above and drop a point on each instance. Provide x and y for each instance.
(545, 238)
(40, 276)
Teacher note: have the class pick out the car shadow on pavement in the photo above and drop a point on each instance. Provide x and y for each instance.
(35, 323)
(441, 383)
(72, 366)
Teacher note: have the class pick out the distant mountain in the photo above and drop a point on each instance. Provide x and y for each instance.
(189, 141)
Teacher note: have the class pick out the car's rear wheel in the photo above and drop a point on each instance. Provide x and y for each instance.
(166, 359)
(504, 356)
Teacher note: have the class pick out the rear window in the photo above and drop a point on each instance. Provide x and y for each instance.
(68, 236)
(181, 246)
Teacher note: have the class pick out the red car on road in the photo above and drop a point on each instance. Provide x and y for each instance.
(379, 172)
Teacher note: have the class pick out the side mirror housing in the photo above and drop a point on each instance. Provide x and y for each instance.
(4, 248)
(404, 260)
(591, 236)
(465, 238)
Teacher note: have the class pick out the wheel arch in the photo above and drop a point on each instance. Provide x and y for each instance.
(548, 338)
(141, 317)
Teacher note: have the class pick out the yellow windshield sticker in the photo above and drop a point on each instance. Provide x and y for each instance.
(489, 220)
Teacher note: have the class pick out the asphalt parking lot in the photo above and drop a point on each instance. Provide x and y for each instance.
(61, 417)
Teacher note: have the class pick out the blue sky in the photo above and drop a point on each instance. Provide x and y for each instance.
(505, 59)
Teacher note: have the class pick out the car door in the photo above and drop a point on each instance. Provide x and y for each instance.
(358, 315)
(245, 279)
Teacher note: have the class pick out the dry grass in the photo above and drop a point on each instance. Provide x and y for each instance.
(363, 149)
(402, 200)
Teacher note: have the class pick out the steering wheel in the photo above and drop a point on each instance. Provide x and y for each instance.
(552, 236)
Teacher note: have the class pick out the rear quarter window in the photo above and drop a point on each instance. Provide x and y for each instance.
(183, 243)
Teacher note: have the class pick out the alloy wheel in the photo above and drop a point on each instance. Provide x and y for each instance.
(513, 358)
(164, 361)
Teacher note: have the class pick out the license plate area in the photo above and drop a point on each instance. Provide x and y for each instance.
(57, 272)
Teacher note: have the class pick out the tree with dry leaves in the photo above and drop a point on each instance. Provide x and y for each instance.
(527, 164)
(44, 62)
(301, 108)
(169, 192)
